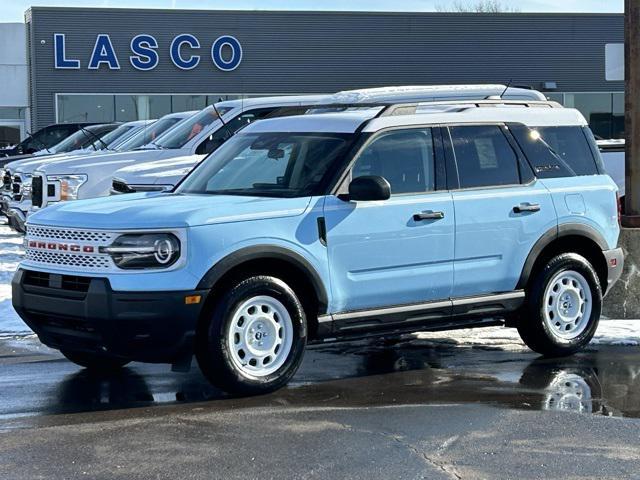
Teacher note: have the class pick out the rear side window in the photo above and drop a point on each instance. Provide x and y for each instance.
(484, 156)
(556, 151)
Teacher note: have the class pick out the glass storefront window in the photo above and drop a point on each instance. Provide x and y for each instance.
(596, 108)
(617, 123)
(85, 108)
(12, 113)
(141, 107)
(183, 103)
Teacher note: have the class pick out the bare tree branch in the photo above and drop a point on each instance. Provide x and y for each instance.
(478, 6)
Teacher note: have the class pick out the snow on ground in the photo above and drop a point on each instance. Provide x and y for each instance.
(11, 252)
(610, 332)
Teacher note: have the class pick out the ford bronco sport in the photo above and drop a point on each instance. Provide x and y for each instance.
(372, 221)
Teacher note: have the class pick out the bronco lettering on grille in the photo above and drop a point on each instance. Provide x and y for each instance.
(61, 247)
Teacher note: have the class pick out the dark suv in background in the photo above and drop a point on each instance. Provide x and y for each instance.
(40, 140)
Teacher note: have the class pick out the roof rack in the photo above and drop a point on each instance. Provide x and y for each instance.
(412, 108)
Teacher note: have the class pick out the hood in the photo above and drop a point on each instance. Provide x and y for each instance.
(161, 172)
(30, 164)
(164, 210)
(84, 163)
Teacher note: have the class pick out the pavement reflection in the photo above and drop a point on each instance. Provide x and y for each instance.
(602, 381)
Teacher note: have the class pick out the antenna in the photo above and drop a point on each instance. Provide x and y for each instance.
(506, 88)
(226, 127)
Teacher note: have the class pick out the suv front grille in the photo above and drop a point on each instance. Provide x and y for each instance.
(36, 191)
(70, 248)
(94, 262)
(69, 234)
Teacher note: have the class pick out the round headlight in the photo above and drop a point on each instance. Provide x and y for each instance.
(148, 250)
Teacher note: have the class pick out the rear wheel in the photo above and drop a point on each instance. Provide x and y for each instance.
(254, 340)
(94, 362)
(562, 312)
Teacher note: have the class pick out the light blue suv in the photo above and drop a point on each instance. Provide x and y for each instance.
(370, 221)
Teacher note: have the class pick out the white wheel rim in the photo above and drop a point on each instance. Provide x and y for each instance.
(569, 392)
(260, 336)
(568, 303)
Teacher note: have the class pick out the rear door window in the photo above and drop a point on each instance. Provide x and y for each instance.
(484, 156)
(556, 151)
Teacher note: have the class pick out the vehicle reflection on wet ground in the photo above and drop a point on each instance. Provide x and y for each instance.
(601, 381)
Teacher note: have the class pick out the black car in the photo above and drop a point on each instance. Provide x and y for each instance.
(43, 138)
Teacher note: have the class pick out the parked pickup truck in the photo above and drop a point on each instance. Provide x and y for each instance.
(329, 226)
(164, 175)
(612, 152)
(16, 200)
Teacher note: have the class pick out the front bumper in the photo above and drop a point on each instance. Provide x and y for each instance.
(85, 314)
(615, 265)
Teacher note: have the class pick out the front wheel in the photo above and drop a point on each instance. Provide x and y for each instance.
(254, 340)
(564, 301)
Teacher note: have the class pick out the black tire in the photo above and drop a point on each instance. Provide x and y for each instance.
(95, 362)
(213, 349)
(532, 327)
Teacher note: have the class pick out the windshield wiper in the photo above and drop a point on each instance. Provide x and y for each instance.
(88, 132)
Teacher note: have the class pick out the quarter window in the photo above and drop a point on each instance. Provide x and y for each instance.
(484, 156)
(404, 157)
(556, 151)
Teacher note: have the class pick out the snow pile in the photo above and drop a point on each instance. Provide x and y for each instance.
(610, 332)
(11, 252)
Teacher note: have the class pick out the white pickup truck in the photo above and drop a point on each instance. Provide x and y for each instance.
(17, 175)
(612, 152)
(158, 175)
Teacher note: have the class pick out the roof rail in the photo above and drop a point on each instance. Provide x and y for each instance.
(391, 108)
(412, 108)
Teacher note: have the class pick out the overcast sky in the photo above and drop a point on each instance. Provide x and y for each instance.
(13, 10)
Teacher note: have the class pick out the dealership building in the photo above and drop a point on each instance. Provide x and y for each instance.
(103, 65)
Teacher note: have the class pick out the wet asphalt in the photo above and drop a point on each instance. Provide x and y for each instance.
(379, 409)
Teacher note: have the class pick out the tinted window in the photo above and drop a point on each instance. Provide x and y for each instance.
(556, 151)
(484, 156)
(403, 157)
(217, 138)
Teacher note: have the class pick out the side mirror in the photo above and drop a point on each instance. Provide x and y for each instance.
(369, 187)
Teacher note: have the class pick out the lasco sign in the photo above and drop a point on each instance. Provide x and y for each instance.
(225, 53)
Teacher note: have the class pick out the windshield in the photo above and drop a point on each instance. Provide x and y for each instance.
(78, 140)
(148, 134)
(112, 137)
(269, 164)
(179, 136)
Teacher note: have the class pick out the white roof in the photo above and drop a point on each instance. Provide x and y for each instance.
(273, 101)
(402, 93)
(344, 122)
(349, 122)
(413, 93)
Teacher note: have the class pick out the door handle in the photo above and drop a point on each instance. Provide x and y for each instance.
(428, 215)
(526, 207)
